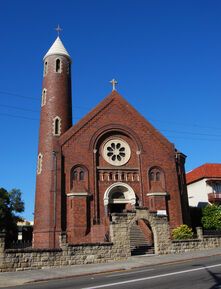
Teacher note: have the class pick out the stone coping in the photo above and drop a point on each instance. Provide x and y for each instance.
(211, 236)
(42, 250)
(33, 250)
(90, 244)
(186, 241)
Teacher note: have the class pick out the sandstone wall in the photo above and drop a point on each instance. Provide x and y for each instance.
(118, 249)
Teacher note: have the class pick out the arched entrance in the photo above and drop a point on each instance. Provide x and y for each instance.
(141, 238)
(119, 197)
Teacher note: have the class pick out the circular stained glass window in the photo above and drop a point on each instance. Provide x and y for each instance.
(116, 152)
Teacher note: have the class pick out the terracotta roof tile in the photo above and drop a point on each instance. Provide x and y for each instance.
(204, 171)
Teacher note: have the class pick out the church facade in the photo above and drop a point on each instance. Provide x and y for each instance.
(111, 161)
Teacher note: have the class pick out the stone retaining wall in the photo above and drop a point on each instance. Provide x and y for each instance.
(118, 249)
(27, 259)
(206, 242)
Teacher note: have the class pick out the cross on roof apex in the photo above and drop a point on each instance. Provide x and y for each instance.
(113, 82)
(58, 29)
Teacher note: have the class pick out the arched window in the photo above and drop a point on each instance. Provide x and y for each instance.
(81, 176)
(57, 126)
(58, 65)
(156, 179)
(39, 164)
(45, 68)
(43, 97)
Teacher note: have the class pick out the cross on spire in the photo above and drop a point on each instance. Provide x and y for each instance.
(58, 29)
(114, 83)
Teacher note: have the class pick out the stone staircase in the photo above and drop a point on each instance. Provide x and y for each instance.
(138, 242)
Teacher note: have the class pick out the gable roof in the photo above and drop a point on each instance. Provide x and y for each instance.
(114, 96)
(204, 171)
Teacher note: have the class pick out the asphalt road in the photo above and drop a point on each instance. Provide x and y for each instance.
(204, 273)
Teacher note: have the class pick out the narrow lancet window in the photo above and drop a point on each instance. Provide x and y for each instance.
(75, 176)
(58, 65)
(39, 164)
(43, 97)
(158, 176)
(57, 126)
(45, 68)
(81, 176)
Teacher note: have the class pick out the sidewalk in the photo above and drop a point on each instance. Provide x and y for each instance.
(22, 277)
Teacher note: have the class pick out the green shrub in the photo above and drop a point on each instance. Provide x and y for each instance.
(211, 219)
(182, 232)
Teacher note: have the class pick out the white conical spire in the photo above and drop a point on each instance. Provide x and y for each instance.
(57, 48)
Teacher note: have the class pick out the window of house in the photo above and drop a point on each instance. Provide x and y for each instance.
(217, 187)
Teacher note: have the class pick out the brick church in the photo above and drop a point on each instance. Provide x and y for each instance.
(112, 161)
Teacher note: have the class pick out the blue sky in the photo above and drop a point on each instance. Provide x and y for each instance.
(166, 56)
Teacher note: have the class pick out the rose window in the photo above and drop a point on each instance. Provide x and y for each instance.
(116, 152)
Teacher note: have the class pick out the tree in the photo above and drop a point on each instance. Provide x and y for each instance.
(211, 219)
(10, 204)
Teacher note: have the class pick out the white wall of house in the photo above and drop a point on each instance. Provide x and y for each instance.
(198, 192)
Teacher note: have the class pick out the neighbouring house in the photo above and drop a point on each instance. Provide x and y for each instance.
(25, 229)
(204, 185)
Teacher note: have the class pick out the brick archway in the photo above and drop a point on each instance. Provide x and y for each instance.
(121, 195)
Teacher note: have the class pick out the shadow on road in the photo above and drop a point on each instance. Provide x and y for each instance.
(216, 277)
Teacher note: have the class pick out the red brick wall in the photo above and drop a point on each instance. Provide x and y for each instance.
(82, 145)
(48, 196)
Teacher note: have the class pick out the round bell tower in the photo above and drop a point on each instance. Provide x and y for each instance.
(56, 118)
